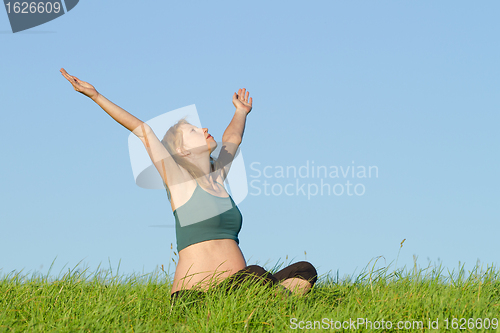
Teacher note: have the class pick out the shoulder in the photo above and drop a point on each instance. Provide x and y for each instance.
(180, 190)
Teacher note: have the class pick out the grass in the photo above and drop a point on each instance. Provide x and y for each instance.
(415, 298)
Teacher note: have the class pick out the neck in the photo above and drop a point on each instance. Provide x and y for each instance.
(202, 162)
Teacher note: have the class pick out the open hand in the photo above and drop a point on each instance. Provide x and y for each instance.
(241, 101)
(81, 86)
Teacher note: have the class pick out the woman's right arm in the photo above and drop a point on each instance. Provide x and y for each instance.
(117, 113)
(162, 160)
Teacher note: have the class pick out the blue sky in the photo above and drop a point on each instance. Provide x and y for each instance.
(408, 87)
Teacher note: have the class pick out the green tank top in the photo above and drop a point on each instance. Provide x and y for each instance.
(206, 217)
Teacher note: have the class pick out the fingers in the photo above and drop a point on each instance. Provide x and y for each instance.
(67, 76)
(70, 78)
(64, 73)
(243, 95)
(75, 82)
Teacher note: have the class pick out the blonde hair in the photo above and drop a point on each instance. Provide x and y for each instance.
(173, 139)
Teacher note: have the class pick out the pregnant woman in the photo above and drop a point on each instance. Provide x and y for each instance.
(207, 219)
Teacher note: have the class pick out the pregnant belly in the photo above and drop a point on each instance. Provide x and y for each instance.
(207, 263)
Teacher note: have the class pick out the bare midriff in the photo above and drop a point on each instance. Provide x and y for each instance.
(205, 264)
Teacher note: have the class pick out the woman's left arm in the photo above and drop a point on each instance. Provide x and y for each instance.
(231, 139)
(235, 129)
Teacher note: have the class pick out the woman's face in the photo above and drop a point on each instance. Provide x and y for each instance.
(197, 140)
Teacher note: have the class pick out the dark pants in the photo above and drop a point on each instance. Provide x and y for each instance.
(302, 270)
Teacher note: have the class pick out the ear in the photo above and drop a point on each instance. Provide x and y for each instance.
(182, 152)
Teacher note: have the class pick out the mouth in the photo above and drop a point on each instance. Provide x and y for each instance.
(209, 136)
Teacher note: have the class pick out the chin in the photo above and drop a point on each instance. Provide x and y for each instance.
(213, 145)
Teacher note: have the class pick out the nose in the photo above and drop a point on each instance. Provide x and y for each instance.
(205, 130)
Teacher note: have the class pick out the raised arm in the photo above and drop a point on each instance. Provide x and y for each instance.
(117, 113)
(235, 129)
(162, 160)
(233, 135)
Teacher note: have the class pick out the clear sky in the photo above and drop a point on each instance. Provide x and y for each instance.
(410, 88)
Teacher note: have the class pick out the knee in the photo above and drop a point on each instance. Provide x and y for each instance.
(255, 269)
(307, 271)
(256, 272)
(307, 266)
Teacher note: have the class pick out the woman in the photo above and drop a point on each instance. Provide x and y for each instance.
(207, 219)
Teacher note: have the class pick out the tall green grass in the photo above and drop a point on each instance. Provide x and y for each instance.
(420, 298)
